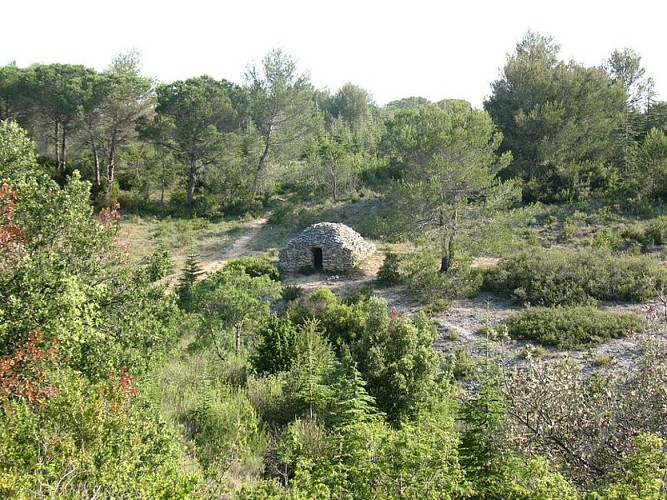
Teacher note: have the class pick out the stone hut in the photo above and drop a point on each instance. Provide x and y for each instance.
(325, 246)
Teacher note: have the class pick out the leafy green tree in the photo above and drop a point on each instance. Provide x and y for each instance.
(92, 438)
(642, 473)
(66, 276)
(420, 460)
(54, 93)
(408, 103)
(554, 116)
(396, 358)
(481, 440)
(281, 107)
(53, 283)
(193, 120)
(651, 162)
(124, 96)
(10, 94)
(224, 428)
(656, 116)
(334, 161)
(18, 160)
(351, 403)
(354, 106)
(625, 70)
(447, 163)
(276, 346)
(232, 304)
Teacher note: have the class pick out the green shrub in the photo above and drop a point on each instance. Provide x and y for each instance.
(225, 429)
(575, 277)
(275, 348)
(255, 267)
(436, 306)
(159, 264)
(342, 323)
(358, 295)
(604, 361)
(460, 363)
(430, 285)
(291, 292)
(107, 431)
(649, 237)
(572, 327)
(191, 273)
(267, 396)
(533, 351)
(389, 273)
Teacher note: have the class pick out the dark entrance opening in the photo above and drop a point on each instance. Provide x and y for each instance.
(318, 260)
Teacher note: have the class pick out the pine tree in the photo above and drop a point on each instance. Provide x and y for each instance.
(481, 448)
(353, 404)
(192, 270)
(311, 367)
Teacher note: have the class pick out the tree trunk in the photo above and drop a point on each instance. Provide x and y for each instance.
(444, 264)
(164, 182)
(238, 338)
(63, 150)
(56, 138)
(111, 165)
(449, 252)
(261, 164)
(335, 187)
(96, 164)
(191, 182)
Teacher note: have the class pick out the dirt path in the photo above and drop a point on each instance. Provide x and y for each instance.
(214, 258)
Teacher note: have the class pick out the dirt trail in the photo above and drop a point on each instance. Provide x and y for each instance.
(212, 261)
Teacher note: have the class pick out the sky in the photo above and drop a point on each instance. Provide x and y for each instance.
(435, 49)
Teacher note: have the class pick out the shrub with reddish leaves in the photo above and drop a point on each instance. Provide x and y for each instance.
(11, 235)
(24, 373)
(109, 216)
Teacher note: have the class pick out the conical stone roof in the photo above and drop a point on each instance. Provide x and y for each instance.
(340, 248)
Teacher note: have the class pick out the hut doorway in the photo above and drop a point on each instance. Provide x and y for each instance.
(318, 259)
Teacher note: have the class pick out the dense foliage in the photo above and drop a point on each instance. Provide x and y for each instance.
(77, 327)
(120, 380)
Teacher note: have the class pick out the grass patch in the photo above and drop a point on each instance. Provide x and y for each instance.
(210, 239)
(578, 327)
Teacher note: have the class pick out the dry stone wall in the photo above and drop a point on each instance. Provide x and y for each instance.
(326, 245)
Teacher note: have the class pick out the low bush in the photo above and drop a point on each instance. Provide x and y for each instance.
(225, 430)
(291, 293)
(159, 264)
(572, 327)
(342, 322)
(556, 277)
(649, 237)
(255, 267)
(460, 364)
(431, 286)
